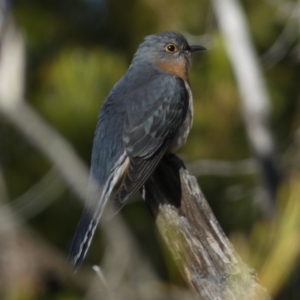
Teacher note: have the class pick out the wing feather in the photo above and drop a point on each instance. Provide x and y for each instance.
(147, 134)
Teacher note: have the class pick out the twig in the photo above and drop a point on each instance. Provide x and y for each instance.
(286, 38)
(49, 142)
(101, 276)
(222, 168)
(39, 196)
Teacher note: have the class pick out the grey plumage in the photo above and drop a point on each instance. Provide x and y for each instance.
(147, 113)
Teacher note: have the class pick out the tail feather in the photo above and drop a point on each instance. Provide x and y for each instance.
(83, 238)
(96, 201)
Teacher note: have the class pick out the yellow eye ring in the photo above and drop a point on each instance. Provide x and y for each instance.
(171, 48)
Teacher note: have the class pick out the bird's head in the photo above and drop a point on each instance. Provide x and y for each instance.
(168, 50)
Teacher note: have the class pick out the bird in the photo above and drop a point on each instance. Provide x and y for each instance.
(147, 114)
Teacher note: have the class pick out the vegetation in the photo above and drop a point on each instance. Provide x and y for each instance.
(76, 51)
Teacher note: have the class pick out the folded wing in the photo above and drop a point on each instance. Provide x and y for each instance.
(153, 118)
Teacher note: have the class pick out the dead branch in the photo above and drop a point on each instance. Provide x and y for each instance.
(199, 246)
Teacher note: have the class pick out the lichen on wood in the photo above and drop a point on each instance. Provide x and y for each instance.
(203, 253)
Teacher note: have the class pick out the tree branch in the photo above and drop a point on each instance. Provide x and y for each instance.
(223, 168)
(252, 88)
(199, 246)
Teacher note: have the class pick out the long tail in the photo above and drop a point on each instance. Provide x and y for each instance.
(83, 238)
(97, 199)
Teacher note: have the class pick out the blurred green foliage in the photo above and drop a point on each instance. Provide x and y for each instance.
(77, 50)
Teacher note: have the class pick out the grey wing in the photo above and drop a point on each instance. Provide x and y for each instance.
(150, 125)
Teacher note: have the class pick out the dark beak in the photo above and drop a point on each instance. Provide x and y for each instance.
(196, 48)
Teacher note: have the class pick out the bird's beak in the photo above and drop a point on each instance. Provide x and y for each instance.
(196, 48)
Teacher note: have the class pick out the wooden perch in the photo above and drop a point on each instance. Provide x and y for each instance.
(198, 244)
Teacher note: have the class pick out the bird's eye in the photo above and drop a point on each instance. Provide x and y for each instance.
(171, 48)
